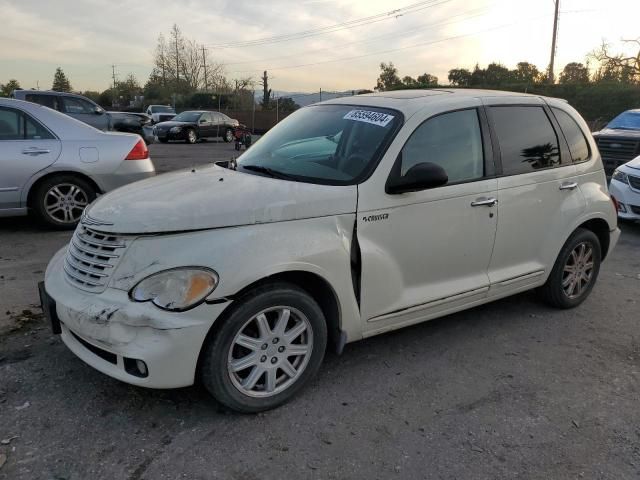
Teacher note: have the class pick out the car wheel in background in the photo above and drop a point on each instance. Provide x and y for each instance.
(228, 135)
(60, 200)
(192, 137)
(575, 272)
(266, 350)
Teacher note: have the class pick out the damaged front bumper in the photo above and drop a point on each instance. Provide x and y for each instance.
(111, 333)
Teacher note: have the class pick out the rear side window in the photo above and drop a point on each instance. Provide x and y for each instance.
(453, 141)
(527, 139)
(15, 125)
(578, 145)
(50, 101)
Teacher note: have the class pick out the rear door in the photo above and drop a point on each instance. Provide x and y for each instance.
(85, 111)
(538, 198)
(26, 147)
(206, 125)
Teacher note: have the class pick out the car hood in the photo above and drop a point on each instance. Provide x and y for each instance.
(170, 124)
(213, 197)
(635, 163)
(611, 132)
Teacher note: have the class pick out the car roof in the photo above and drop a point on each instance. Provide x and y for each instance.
(410, 101)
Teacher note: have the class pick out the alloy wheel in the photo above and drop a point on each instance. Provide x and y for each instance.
(578, 270)
(65, 202)
(229, 135)
(270, 352)
(192, 136)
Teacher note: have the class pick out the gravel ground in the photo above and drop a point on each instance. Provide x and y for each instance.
(508, 390)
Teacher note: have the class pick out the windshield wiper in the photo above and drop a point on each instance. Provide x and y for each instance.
(269, 171)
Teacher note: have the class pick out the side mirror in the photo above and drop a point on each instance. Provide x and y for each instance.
(203, 121)
(421, 176)
(98, 111)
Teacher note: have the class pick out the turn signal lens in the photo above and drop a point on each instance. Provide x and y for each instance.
(139, 151)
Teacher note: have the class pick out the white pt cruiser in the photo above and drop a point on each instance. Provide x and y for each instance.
(350, 218)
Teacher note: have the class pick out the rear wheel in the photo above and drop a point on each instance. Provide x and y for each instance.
(265, 350)
(59, 201)
(575, 272)
(192, 136)
(228, 135)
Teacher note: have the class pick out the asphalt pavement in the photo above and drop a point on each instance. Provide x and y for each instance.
(508, 390)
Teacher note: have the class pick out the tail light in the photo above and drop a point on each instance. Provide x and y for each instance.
(138, 152)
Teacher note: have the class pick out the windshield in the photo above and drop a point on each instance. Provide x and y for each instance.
(328, 144)
(162, 109)
(626, 121)
(187, 117)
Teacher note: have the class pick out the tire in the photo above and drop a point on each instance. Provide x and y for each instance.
(247, 387)
(565, 289)
(192, 136)
(60, 200)
(228, 135)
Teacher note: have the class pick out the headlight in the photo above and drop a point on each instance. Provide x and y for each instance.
(176, 290)
(620, 176)
(175, 129)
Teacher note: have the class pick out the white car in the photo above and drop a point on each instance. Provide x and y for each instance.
(239, 276)
(625, 189)
(56, 165)
(160, 113)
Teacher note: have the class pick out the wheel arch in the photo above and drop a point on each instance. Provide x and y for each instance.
(601, 229)
(34, 186)
(316, 286)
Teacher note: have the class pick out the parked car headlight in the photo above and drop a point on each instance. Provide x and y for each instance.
(620, 176)
(177, 289)
(175, 129)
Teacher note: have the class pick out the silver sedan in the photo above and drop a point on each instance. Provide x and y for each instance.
(54, 165)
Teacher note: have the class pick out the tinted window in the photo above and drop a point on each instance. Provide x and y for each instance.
(527, 139)
(50, 101)
(206, 117)
(76, 105)
(11, 125)
(578, 145)
(453, 141)
(14, 125)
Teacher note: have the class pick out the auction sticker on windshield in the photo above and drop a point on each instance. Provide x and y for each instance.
(367, 116)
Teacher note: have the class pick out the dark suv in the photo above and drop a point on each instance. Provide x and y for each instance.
(619, 141)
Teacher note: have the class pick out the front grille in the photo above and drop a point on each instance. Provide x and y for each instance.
(92, 257)
(634, 182)
(108, 356)
(616, 151)
(635, 209)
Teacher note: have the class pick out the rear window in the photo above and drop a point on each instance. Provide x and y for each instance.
(527, 139)
(578, 146)
(50, 101)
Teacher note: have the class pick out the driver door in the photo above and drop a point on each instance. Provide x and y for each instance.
(426, 253)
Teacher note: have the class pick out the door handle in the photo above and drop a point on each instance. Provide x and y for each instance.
(35, 151)
(485, 202)
(569, 186)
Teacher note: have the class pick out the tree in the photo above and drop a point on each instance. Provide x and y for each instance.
(574, 73)
(10, 86)
(388, 79)
(460, 77)
(60, 82)
(624, 68)
(497, 74)
(527, 73)
(266, 91)
(427, 80)
(286, 104)
(409, 81)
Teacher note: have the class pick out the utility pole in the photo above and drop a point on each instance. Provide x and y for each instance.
(553, 43)
(115, 93)
(320, 93)
(266, 93)
(204, 64)
(177, 62)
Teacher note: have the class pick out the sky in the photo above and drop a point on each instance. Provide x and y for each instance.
(87, 37)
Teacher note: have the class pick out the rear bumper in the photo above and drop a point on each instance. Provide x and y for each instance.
(129, 171)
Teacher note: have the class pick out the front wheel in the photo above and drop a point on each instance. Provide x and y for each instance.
(266, 350)
(575, 272)
(228, 135)
(192, 137)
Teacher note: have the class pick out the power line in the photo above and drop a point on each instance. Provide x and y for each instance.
(432, 42)
(336, 27)
(477, 12)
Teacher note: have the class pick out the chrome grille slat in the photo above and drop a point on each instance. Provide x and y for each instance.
(634, 182)
(92, 257)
